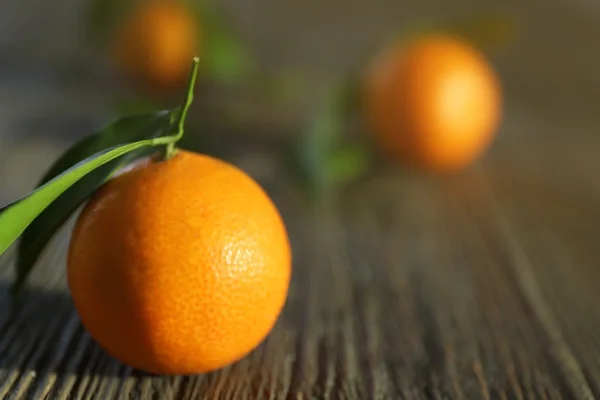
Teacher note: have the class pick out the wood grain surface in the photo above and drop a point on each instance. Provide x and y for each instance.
(482, 285)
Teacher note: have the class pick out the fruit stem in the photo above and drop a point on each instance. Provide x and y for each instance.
(170, 150)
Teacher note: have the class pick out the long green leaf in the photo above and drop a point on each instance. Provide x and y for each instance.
(17, 216)
(131, 128)
(77, 176)
(121, 131)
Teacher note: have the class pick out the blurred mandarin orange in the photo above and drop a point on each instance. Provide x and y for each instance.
(156, 41)
(433, 101)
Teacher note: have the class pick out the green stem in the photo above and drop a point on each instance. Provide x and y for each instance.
(170, 151)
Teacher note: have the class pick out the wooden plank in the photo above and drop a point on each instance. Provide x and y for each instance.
(403, 286)
(557, 229)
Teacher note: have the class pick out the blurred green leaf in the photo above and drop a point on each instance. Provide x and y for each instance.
(315, 144)
(348, 162)
(224, 57)
(323, 157)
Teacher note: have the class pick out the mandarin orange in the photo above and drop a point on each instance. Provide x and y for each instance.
(156, 41)
(179, 266)
(434, 101)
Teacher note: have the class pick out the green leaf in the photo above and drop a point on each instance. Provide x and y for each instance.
(116, 145)
(121, 131)
(347, 163)
(18, 215)
(323, 138)
(225, 59)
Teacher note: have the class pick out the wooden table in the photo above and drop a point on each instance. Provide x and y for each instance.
(483, 285)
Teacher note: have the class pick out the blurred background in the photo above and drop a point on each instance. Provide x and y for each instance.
(283, 89)
(63, 62)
